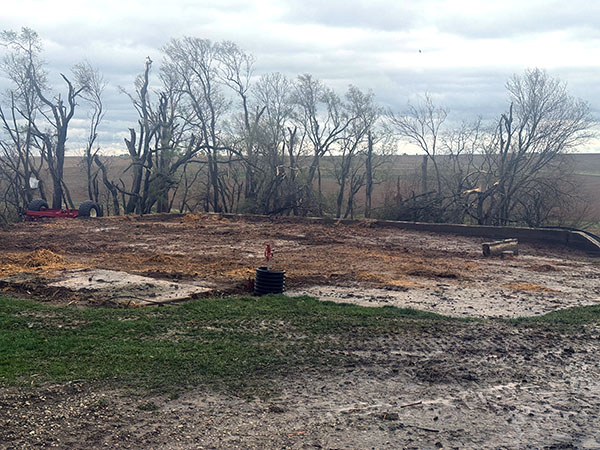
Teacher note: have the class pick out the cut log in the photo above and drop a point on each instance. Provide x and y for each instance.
(499, 247)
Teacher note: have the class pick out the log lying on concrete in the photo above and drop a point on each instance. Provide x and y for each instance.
(498, 248)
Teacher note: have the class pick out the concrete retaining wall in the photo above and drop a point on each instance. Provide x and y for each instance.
(572, 238)
(558, 236)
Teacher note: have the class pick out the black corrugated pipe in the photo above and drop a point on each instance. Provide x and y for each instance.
(269, 281)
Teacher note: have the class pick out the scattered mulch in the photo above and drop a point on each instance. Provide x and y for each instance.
(42, 260)
(225, 252)
(542, 268)
(529, 287)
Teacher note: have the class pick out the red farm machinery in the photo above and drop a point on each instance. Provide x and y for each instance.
(38, 209)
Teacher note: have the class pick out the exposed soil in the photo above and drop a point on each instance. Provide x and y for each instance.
(481, 385)
(348, 263)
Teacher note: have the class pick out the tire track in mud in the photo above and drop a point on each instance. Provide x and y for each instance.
(426, 384)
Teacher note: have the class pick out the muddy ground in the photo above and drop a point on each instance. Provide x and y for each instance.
(477, 386)
(209, 255)
(482, 385)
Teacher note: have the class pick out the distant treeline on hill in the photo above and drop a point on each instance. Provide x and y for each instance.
(212, 137)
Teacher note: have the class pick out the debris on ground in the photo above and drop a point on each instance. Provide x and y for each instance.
(355, 263)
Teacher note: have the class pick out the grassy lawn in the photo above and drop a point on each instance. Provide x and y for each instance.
(228, 341)
(565, 317)
(231, 342)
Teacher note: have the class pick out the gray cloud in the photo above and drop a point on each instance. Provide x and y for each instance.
(468, 53)
(513, 19)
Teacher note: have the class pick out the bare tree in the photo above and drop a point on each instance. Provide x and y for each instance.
(235, 70)
(18, 162)
(110, 185)
(462, 169)
(542, 123)
(52, 143)
(139, 145)
(37, 121)
(162, 145)
(378, 154)
(350, 169)
(275, 165)
(195, 63)
(324, 119)
(421, 125)
(93, 89)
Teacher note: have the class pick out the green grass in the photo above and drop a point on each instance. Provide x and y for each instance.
(235, 343)
(231, 341)
(576, 316)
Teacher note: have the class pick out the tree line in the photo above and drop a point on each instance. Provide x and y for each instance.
(212, 136)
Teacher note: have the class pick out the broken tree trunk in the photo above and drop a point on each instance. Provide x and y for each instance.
(500, 247)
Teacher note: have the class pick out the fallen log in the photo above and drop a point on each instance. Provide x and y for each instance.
(498, 248)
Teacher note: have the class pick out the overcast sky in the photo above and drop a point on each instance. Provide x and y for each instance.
(462, 52)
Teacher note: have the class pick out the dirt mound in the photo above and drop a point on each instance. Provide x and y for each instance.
(12, 263)
(43, 258)
(243, 273)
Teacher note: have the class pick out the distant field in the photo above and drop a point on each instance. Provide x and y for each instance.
(403, 168)
(587, 163)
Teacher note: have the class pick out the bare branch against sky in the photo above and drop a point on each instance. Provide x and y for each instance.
(461, 52)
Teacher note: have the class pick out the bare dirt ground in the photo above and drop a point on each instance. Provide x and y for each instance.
(208, 255)
(482, 385)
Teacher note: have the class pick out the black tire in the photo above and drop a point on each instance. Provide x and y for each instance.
(89, 209)
(37, 205)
